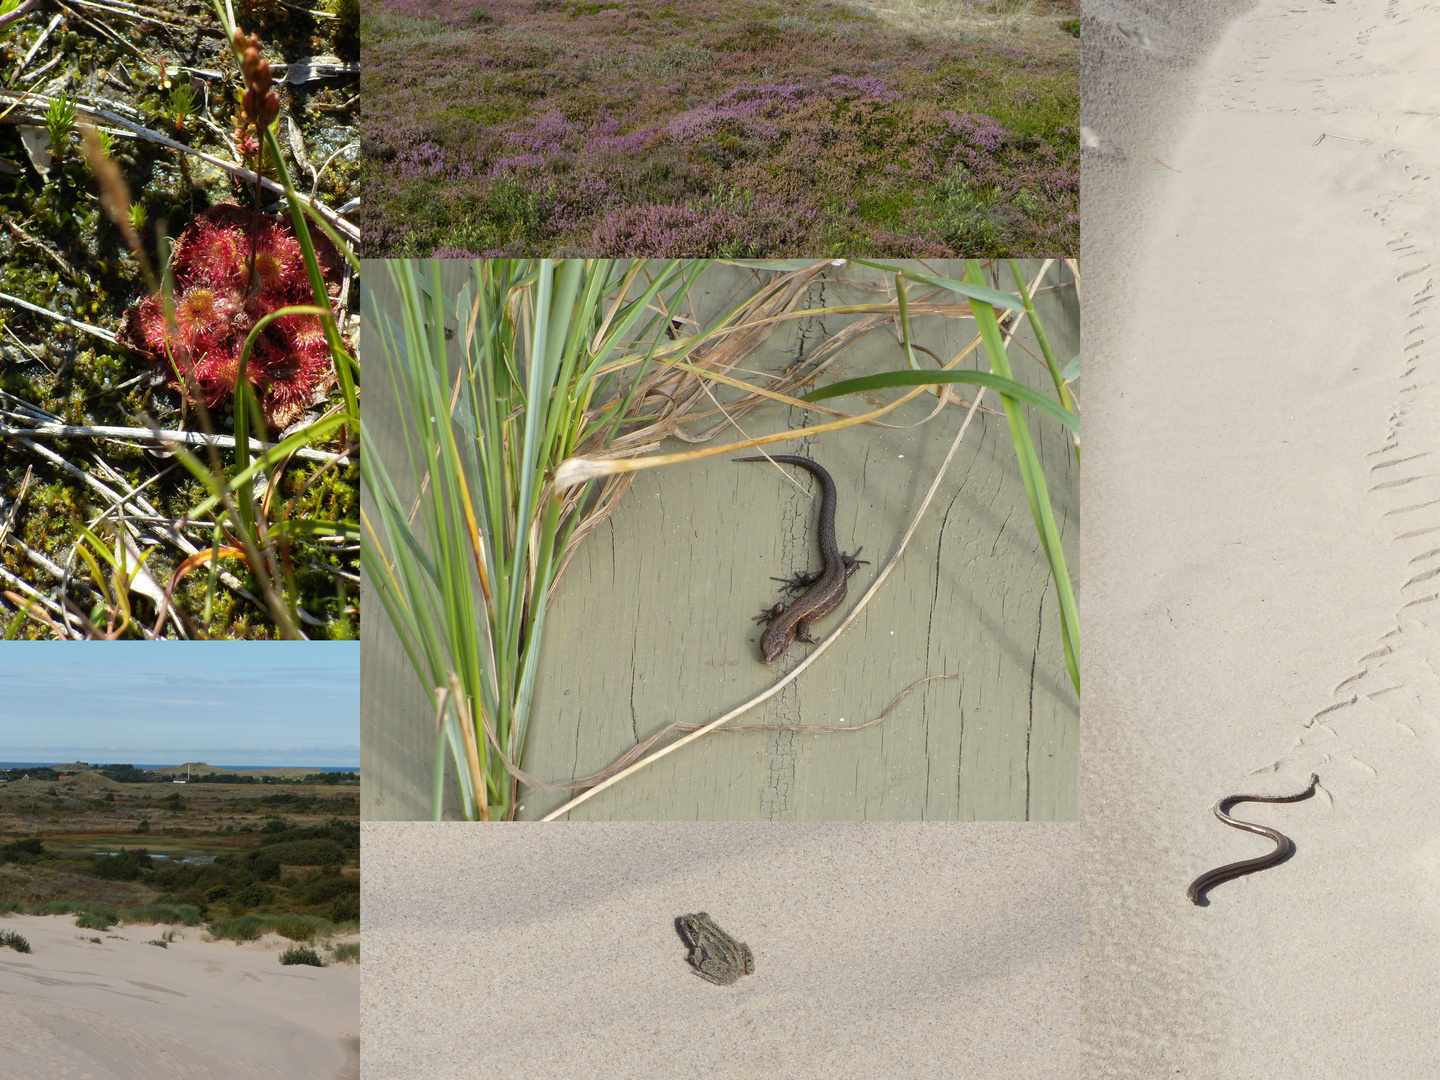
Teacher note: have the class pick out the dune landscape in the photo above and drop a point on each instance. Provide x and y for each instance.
(146, 922)
(112, 1005)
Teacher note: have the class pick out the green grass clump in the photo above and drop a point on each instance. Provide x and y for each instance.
(184, 914)
(11, 940)
(301, 954)
(295, 927)
(238, 929)
(347, 952)
(675, 58)
(97, 917)
(88, 915)
(8, 906)
(962, 216)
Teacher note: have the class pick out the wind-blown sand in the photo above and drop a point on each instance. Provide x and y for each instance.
(1262, 510)
(126, 1010)
(549, 951)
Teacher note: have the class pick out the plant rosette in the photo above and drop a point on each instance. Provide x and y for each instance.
(217, 303)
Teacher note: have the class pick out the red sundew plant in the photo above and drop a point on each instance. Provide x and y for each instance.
(218, 301)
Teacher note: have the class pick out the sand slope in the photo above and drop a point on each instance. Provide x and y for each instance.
(126, 1010)
(905, 950)
(1263, 509)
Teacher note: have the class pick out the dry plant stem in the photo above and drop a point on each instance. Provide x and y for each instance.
(333, 219)
(19, 13)
(136, 13)
(819, 650)
(15, 506)
(115, 500)
(101, 28)
(37, 600)
(639, 749)
(186, 438)
(95, 331)
(55, 256)
(45, 34)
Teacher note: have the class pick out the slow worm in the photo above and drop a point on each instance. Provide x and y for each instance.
(1283, 847)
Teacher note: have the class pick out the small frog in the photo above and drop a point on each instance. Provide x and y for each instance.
(715, 955)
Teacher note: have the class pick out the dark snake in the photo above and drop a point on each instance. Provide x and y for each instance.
(1283, 847)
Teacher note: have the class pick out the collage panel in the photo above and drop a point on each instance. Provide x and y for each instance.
(725, 949)
(179, 859)
(1261, 521)
(952, 697)
(178, 372)
(742, 128)
(718, 500)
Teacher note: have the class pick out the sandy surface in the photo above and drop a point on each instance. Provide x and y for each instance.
(1262, 509)
(127, 1010)
(906, 950)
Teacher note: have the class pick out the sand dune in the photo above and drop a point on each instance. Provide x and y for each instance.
(126, 1010)
(915, 950)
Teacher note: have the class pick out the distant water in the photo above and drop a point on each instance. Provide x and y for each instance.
(202, 860)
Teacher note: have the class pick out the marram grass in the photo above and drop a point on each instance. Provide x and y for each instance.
(558, 381)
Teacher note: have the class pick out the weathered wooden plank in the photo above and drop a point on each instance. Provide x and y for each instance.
(653, 620)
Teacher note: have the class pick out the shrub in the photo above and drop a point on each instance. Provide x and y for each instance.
(21, 851)
(301, 954)
(346, 908)
(241, 928)
(11, 940)
(294, 928)
(126, 866)
(302, 853)
(96, 917)
(184, 914)
(251, 896)
(162, 944)
(265, 865)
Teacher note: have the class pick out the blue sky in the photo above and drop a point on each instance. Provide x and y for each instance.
(168, 702)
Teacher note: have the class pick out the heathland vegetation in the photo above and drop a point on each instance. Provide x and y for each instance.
(739, 128)
(239, 860)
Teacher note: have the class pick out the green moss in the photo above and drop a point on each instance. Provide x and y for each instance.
(1028, 98)
(576, 10)
(489, 110)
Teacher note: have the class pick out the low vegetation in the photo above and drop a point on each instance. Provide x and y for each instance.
(301, 954)
(740, 128)
(225, 858)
